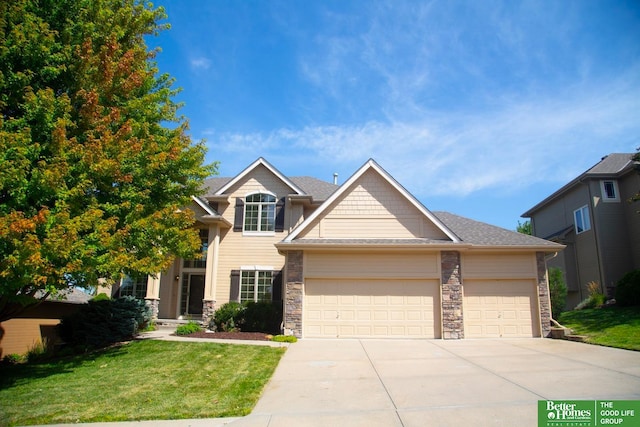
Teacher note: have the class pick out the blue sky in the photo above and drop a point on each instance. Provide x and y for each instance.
(479, 108)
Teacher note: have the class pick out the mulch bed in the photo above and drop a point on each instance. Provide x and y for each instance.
(252, 336)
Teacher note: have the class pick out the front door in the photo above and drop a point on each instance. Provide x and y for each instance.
(192, 294)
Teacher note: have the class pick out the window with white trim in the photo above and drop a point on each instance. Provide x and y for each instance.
(609, 191)
(134, 286)
(256, 285)
(260, 213)
(581, 218)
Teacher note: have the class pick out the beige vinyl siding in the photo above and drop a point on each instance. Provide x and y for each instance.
(355, 308)
(372, 208)
(499, 265)
(22, 334)
(236, 249)
(500, 309)
(371, 265)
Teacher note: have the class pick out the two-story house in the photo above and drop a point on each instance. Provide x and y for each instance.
(593, 216)
(363, 259)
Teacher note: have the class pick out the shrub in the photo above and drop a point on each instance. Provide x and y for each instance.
(284, 338)
(628, 289)
(261, 317)
(188, 328)
(595, 299)
(104, 322)
(227, 317)
(12, 359)
(557, 292)
(39, 350)
(100, 297)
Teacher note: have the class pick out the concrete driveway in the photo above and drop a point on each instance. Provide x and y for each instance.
(440, 383)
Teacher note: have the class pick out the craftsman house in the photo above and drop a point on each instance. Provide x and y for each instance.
(593, 217)
(364, 259)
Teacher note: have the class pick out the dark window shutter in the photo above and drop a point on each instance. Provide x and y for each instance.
(280, 215)
(238, 219)
(234, 294)
(276, 286)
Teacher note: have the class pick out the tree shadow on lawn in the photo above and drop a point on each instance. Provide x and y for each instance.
(24, 372)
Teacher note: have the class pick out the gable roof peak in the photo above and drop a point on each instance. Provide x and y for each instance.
(368, 165)
(260, 161)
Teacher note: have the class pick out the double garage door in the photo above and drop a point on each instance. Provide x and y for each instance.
(404, 308)
(348, 308)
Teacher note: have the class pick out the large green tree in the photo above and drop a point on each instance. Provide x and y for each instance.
(96, 165)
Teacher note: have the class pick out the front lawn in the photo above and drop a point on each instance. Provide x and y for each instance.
(610, 326)
(141, 380)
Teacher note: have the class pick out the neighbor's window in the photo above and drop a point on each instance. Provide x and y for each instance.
(609, 191)
(260, 212)
(200, 262)
(134, 286)
(582, 221)
(255, 285)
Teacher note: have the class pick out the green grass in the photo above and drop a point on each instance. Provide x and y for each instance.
(610, 326)
(141, 380)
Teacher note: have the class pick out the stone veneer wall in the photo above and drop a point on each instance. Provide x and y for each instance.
(543, 295)
(154, 305)
(208, 310)
(293, 295)
(452, 320)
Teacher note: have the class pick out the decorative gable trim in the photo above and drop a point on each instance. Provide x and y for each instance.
(371, 165)
(251, 167)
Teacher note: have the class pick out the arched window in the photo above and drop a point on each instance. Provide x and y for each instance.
(260, 212)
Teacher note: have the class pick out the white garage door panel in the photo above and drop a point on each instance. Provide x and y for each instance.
(494, 309)
(350, 308)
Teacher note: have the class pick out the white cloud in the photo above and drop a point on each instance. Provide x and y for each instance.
(200, 63)
(505, 149)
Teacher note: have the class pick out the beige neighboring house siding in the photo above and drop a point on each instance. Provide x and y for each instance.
(373, 209)
(239, 249)
(22, 334)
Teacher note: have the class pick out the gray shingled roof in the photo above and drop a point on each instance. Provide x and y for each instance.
(316, 188)
(480, 233)
(610, 166)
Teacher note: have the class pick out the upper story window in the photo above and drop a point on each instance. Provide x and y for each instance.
(200, 262)
(582, 221)
(134, 286)
(609, 191)
(260, 213)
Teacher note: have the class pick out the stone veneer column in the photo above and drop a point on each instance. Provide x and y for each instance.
(543, 295)
(452, 320)
(293, 295)
(208, 310)
(154, 305)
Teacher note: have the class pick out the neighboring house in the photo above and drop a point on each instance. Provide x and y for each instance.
(39, 322)
(593, 217)
(365, 259)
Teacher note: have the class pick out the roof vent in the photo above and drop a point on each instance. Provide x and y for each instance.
(335, 178)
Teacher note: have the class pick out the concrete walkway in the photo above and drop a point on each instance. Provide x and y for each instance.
(430, 382)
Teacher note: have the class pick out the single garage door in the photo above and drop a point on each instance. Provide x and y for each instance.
(500, 308)
(352, 308)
